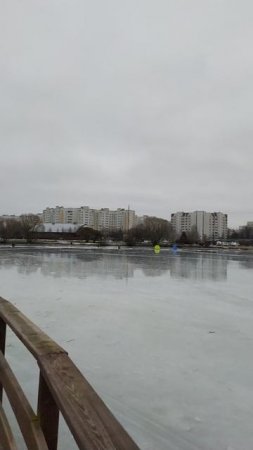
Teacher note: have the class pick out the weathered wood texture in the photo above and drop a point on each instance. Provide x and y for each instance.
(6, 437)
(92, 424)
(2, 335)
(62, 387)
(26, 418)
(48, 414)
(37, 342)
(2, 349)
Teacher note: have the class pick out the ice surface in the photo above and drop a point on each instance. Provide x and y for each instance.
(166, 340)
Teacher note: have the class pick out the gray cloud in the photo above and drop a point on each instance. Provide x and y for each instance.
(114, 103)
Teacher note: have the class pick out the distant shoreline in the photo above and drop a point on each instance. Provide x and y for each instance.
(119, 249)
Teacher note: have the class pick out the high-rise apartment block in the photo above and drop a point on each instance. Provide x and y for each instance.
(209, 225)
(98, 219)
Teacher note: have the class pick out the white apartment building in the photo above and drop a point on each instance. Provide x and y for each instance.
(209, 225)
(53, 215)
(98, 219)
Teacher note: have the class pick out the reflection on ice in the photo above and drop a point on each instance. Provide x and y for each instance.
(123, 264)
(165, 339)
(201, 267)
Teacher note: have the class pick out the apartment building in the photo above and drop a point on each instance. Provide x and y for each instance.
(209, 225)
(53, 215)
(98, 219)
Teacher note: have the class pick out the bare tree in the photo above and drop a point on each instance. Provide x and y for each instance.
(88, 234)
(157, 229)
(193, 236)
(28, 224)
(10, 229)
(153, 229)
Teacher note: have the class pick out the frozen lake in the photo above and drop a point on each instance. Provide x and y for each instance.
(166, 340)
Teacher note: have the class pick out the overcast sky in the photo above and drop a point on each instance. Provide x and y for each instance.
(110, 103)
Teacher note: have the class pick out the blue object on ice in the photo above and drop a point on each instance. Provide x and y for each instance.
(174, 248)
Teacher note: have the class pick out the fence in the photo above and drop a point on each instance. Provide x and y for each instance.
(62, 389)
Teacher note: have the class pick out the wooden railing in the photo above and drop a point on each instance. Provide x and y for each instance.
(62, 389)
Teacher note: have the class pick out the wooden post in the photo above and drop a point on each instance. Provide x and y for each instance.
(48, 414)
(2, 348)
(62, 389)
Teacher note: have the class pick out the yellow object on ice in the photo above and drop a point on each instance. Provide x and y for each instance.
(157, 248)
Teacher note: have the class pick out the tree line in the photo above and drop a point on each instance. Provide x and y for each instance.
(19, 229)
(243, 233)
(153, 229)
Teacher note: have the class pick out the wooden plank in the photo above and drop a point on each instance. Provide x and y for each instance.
(48, 413)
(37, 342)
(2, 335)
(90, 421)
(6, 437)
(2, 348)
(92, 424)
(27, 420)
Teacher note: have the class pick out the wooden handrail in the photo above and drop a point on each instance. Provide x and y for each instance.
(35, 340)
(62, 388)
(7, 440)
(27, 420)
